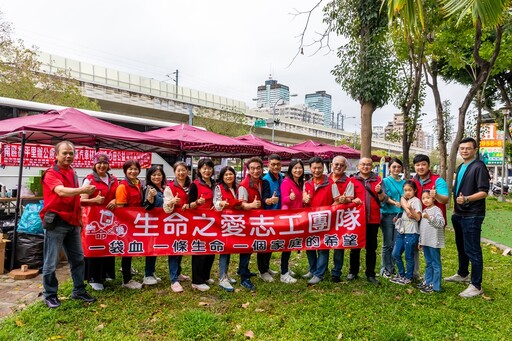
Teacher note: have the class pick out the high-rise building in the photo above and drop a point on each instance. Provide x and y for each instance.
(321, 101)
(397, 127)
(270, 93)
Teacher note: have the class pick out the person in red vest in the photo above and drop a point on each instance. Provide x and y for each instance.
(176, 194)
(249, 192)
(98, 269)
(371, 191)
(317, 193)
(129, 194)
(343, 192)
(426, 180)
(62, 221)
(225, 197)
(201, 197)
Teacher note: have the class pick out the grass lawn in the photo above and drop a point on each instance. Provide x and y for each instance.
(498, 222)
(328, 311)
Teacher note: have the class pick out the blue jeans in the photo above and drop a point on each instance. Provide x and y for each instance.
(433, 269)
(224, 265)
(338, 258)
(468, 231)
(68, 237)
(174, 263)
(318, 261)
(243, 266)
(405, 243)
(388, 241)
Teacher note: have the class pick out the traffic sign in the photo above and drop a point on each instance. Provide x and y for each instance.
(260, 123)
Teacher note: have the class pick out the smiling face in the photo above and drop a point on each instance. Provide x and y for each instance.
(339, 165)
(229, 178)
(467, 151)
(274, 167)
(101, 168)
(395, 169)
(426, 199)
(409, 192)
(422, 168)
(365, 166)
(181, 173)
(206, 172)
(317, 170)
(255, 170)
(132, 173)
(297, 171)
(156, 178)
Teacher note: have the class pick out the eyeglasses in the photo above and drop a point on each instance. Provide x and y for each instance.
(338, 164)
(465, 148)
(366, 164)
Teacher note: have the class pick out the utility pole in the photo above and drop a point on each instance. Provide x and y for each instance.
(343, 118)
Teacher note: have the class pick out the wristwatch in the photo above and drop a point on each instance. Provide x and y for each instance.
(466, 199)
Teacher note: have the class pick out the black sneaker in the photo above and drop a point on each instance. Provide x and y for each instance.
(84, 296)
(246, 283)
(373, 280)
(422, 285)
(52, 302)
(427, 289)
(336, 279)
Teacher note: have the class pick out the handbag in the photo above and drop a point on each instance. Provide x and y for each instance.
(50, 220)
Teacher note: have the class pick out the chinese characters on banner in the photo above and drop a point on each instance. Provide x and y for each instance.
(491, 144)
(38, 155)
(137, 232)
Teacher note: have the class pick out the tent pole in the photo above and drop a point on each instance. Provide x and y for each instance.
(18, 201)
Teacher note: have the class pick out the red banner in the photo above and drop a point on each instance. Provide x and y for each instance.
(136, 232)
(40, 155)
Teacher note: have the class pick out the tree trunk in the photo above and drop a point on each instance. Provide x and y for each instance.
(367, 109)
(441, 132)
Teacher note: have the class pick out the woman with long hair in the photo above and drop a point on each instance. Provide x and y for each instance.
(225, 197)
(99, 269)
(291, 198)
(201, 197)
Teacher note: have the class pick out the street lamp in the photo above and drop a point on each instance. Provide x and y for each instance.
(504, 169)
(343, 118)
(274, 114)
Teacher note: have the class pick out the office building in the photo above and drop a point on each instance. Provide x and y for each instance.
(321, 101)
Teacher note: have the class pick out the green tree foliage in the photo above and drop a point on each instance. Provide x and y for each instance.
(222, 122)
(366, 66)
(21, 76)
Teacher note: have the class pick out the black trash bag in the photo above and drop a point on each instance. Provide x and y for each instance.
(29, 250)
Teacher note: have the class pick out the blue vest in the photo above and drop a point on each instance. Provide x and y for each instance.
(275, 186)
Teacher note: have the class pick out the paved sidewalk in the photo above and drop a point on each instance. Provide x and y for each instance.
(15, 295)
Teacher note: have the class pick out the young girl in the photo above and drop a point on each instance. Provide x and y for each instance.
(408, 235)
(224, 197)
(431, 240)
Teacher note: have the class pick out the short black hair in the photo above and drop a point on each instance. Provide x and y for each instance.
(274, 157)
(254, 159)
(468, 139)
(421, 158)
(396, 160)
(316, 159)
(130, 163)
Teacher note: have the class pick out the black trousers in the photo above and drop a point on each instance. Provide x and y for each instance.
(201, 268)
(263, 259)
(98, 268)
(372, 230)
(126, 266)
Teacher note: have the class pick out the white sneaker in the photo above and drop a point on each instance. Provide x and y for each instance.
(266, 277)
(287, 278)
(314, 280)
(231, 280)
(200, 287)
(272, 272)
(309, 275)
(291, 273)
(471, 291)
(183, 278)
(158, 279)
(457, 278)
(224, 284)
(97, 286)
(149, 280)
(132, 285)
(210, 281)
(176, 287)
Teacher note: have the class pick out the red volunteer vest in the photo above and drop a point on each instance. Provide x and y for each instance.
(107, 190)
(206, 192)
(134, 193)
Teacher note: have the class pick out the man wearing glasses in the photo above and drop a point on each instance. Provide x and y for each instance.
(469, 192)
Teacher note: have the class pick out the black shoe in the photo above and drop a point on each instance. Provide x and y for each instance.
(84, 297)
(336, 279)
(373, 280)
(52, 302)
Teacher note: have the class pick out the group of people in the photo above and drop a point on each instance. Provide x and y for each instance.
(411, 215)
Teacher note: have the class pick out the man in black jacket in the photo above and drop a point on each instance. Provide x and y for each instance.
(470, 189)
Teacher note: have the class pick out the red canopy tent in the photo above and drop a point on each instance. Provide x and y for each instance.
(272, 148)
(82, 129)
(326, 151)
(199, 142)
